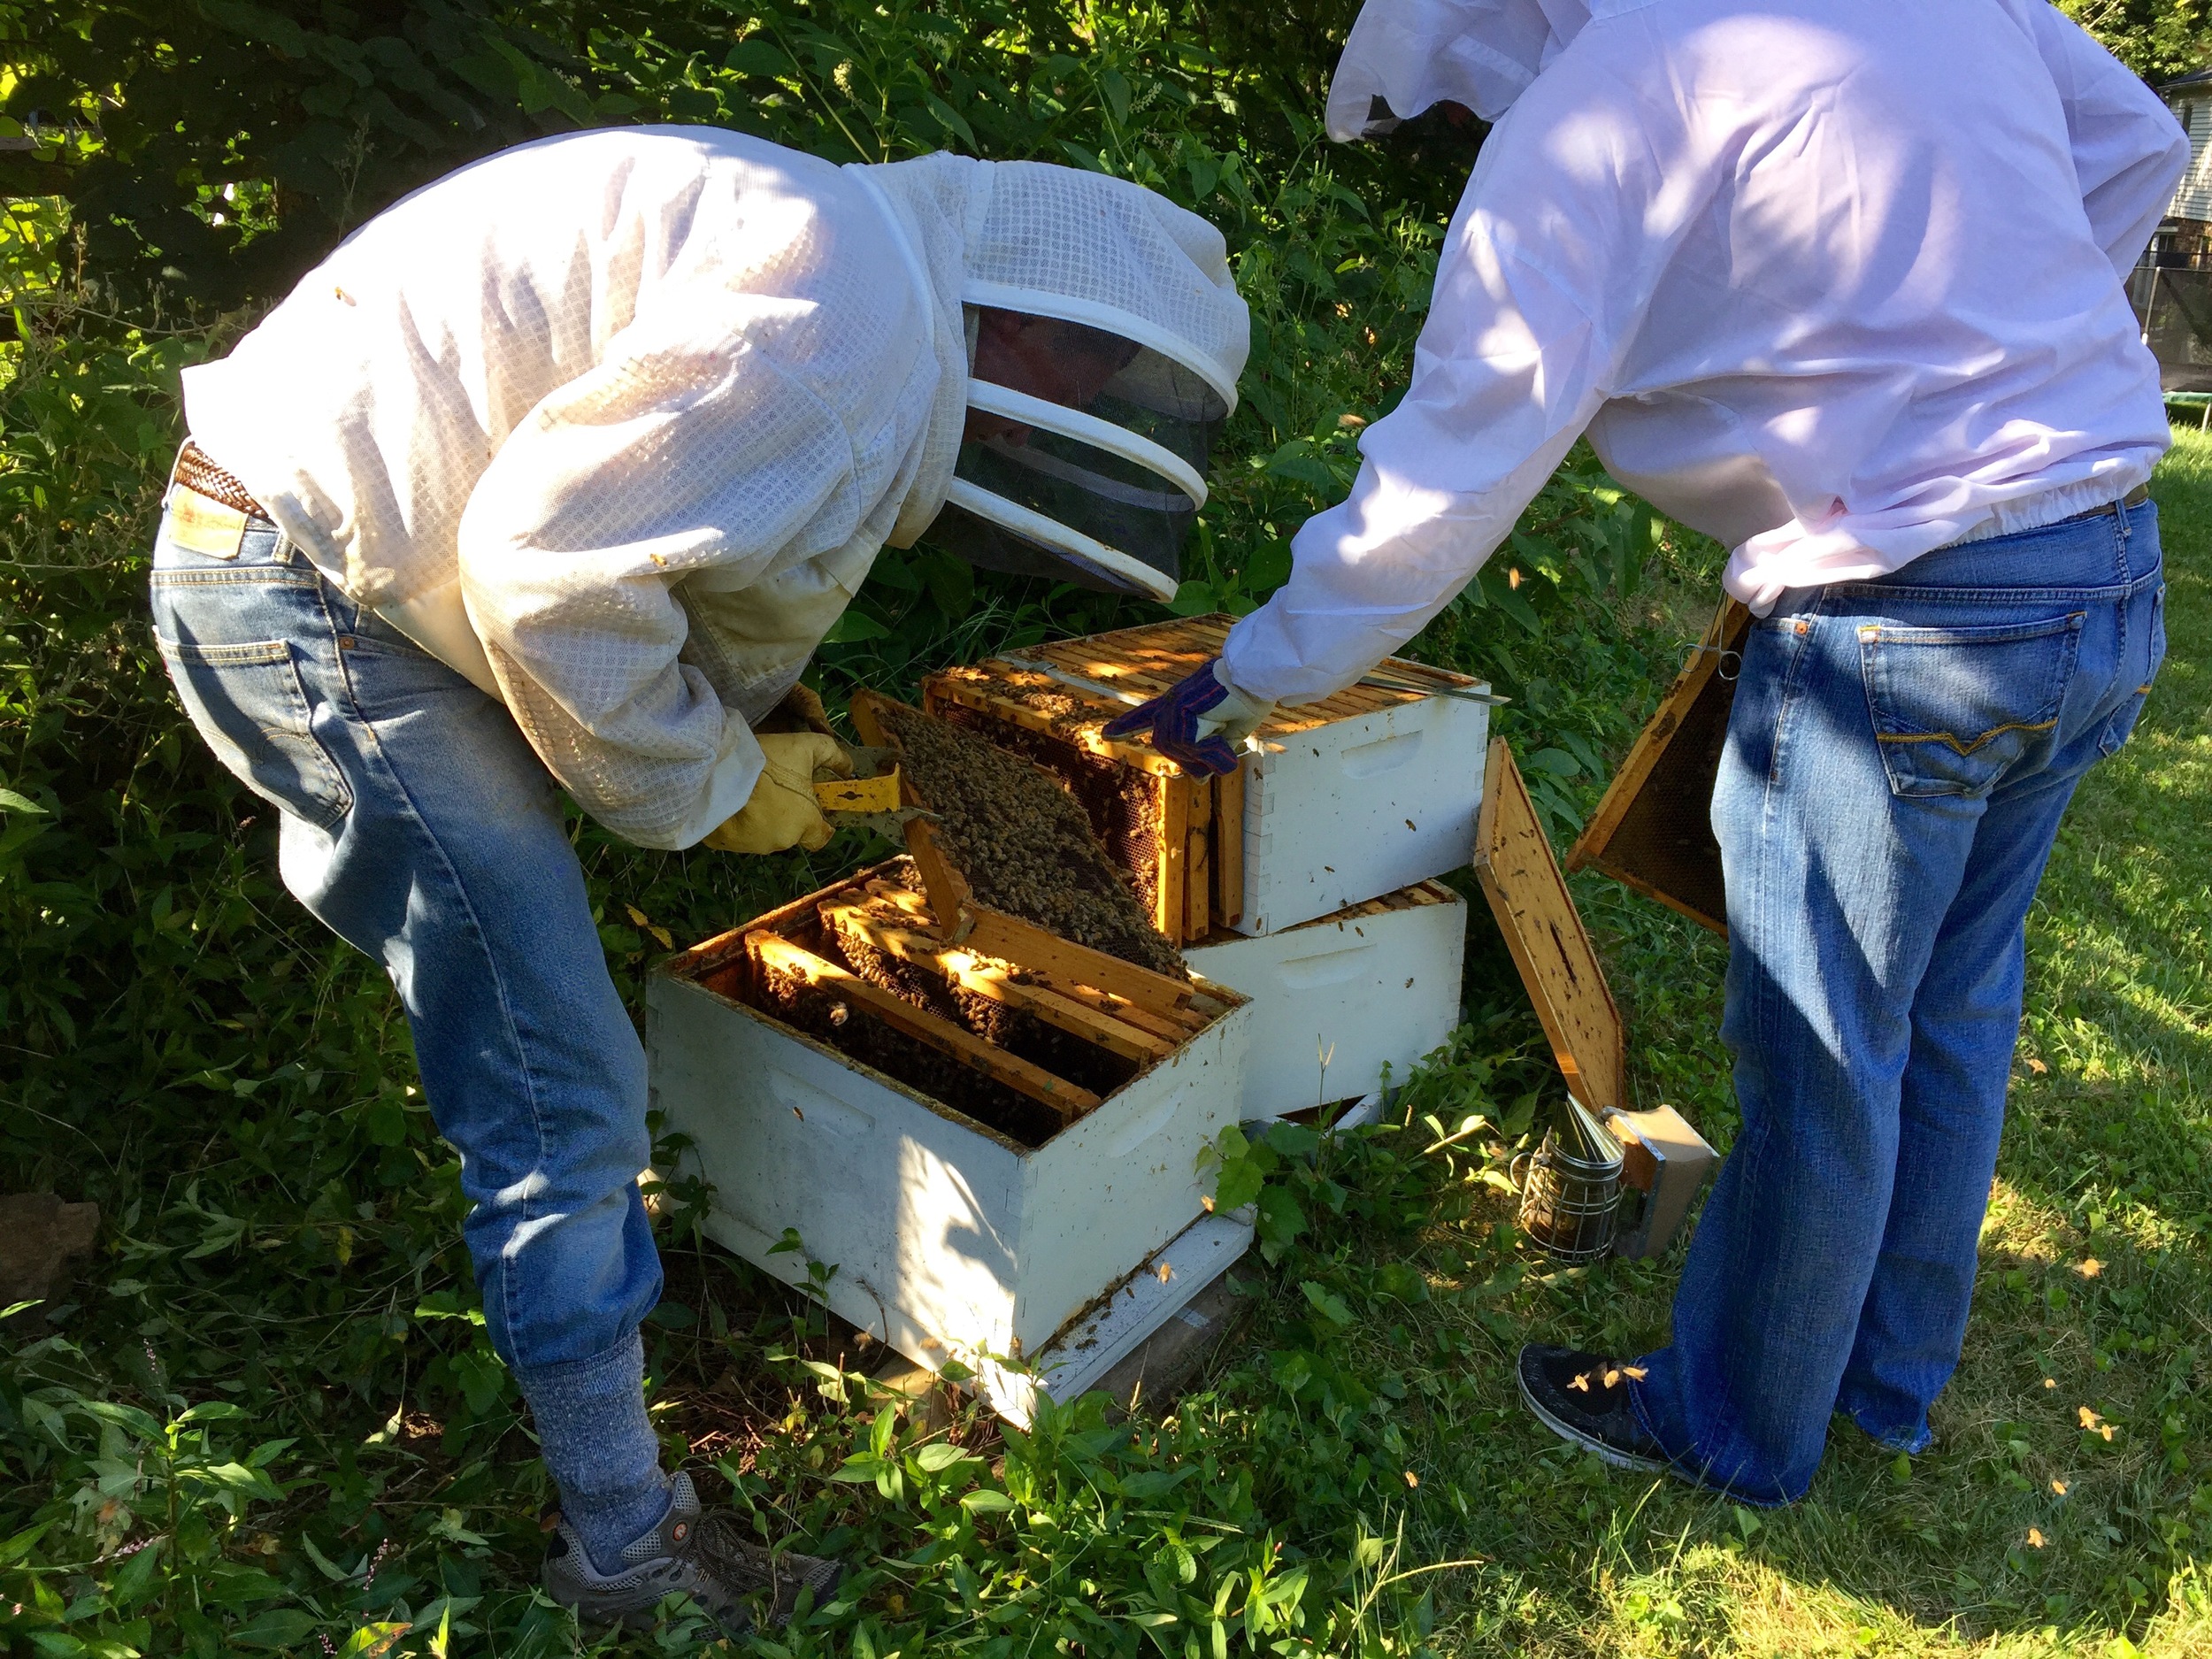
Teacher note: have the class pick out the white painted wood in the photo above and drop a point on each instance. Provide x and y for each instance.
(1360, 807)
(1365, 990)
(1133, 1309)
(948, 1239)
(2193, 194)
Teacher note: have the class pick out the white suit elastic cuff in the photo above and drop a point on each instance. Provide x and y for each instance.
(727, 788)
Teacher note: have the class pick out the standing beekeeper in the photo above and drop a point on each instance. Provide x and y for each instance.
(559, 470)
(1838, 285)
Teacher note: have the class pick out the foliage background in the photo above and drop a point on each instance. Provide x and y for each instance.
(268, 1420)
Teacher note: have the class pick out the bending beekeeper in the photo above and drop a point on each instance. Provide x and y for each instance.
(1841, 287)
(557, 472)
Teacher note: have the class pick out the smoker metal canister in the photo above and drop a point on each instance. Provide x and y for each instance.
(1570, 1189)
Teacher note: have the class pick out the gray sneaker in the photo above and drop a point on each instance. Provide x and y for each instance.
(705, 1557)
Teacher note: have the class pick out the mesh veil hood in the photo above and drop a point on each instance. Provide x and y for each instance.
(1403, 56)
(1059, 243)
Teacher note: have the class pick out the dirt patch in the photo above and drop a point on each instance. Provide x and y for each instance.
(1024, 843)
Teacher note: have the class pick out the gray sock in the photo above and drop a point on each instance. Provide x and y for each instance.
(599, 1448)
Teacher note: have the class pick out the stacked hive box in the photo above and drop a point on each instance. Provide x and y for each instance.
(1301, 880)
(1343, 1001)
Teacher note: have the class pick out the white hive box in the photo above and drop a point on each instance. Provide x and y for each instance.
(952, 1237)
(1374, 985)
(1340, 812)
(1357, 795)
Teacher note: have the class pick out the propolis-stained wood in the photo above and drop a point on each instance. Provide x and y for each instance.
(1550, 947)
(1364, 793)
(1654, 832)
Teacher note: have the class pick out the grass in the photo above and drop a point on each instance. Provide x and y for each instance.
(266, 1421)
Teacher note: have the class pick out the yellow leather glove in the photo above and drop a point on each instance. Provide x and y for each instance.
(782, 812)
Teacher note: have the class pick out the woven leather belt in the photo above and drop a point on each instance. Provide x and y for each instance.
(200, 475)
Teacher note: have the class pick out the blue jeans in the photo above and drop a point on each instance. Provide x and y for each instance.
(418, 822)
(1898, 761)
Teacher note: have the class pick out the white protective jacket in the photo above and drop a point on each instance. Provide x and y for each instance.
(616, 423)
(1836, 284)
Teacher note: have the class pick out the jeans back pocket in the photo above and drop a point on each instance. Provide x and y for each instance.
(1956, 709)
(249, 704)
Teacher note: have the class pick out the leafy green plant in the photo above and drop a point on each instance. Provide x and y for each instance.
(156, 1506)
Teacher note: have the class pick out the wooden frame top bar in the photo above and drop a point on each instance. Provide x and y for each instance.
(1143, 662)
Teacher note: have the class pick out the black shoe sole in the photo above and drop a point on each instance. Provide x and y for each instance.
(1611, 1453)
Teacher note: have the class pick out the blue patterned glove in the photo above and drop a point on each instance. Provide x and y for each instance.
(1198, 722)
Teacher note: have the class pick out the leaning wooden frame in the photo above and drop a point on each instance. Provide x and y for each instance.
(1549, 945)
(1664, 1160)
(1652, 832)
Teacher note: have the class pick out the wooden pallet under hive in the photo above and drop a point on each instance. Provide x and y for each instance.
(1275, 843)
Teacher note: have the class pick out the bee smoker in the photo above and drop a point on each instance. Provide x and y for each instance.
(1571, 1187)
(1664, 1164)
(1623, 1184)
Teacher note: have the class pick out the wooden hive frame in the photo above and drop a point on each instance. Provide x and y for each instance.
(1550, 947)
(1137, 1016)
(1652, 832)
(1188, 856)
(963, 919)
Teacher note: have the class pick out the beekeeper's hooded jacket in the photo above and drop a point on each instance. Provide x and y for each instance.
(1835, 281)
(615, 424)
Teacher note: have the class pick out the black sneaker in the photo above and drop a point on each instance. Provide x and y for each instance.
(705, 1557)
(1584, 1399)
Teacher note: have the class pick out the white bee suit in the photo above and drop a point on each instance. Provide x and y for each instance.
(615, 425)
(1834, 284)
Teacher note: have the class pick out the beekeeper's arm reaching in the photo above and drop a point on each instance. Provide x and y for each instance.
(1539, 285)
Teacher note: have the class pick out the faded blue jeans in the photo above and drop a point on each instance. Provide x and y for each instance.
(418, 822)
(1897, 764)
